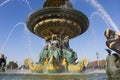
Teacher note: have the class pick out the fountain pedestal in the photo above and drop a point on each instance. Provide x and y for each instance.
(57, 22)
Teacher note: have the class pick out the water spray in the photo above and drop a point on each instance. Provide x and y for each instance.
(29, 40)
(5, 2)
(26, 1)
(10, 33)
(105, 16)
(97, 13)
(19, 23)
(28, 4)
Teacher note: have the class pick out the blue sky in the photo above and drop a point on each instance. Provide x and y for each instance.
(17, 43)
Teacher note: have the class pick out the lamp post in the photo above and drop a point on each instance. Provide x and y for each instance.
(97, 55)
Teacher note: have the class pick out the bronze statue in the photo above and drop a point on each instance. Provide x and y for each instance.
(2, 63)
(113, 60)
(113, 40)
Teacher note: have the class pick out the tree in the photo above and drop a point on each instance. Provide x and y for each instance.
(12, 65)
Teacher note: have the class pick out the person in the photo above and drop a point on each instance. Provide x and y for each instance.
(66, 42)
(43, 55)
(55, 41)
(45, 52)
(48, 42)
(55, 47)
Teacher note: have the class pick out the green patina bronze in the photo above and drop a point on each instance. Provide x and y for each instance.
(57, 22)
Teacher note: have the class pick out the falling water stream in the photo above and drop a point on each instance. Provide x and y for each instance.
(16, 25)
(9, 35)
(103, 14)
(7, 1)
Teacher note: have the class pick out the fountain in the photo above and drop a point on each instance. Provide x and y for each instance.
(57, 22)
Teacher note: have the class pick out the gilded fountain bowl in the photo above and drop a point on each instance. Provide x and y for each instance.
(57, 20)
